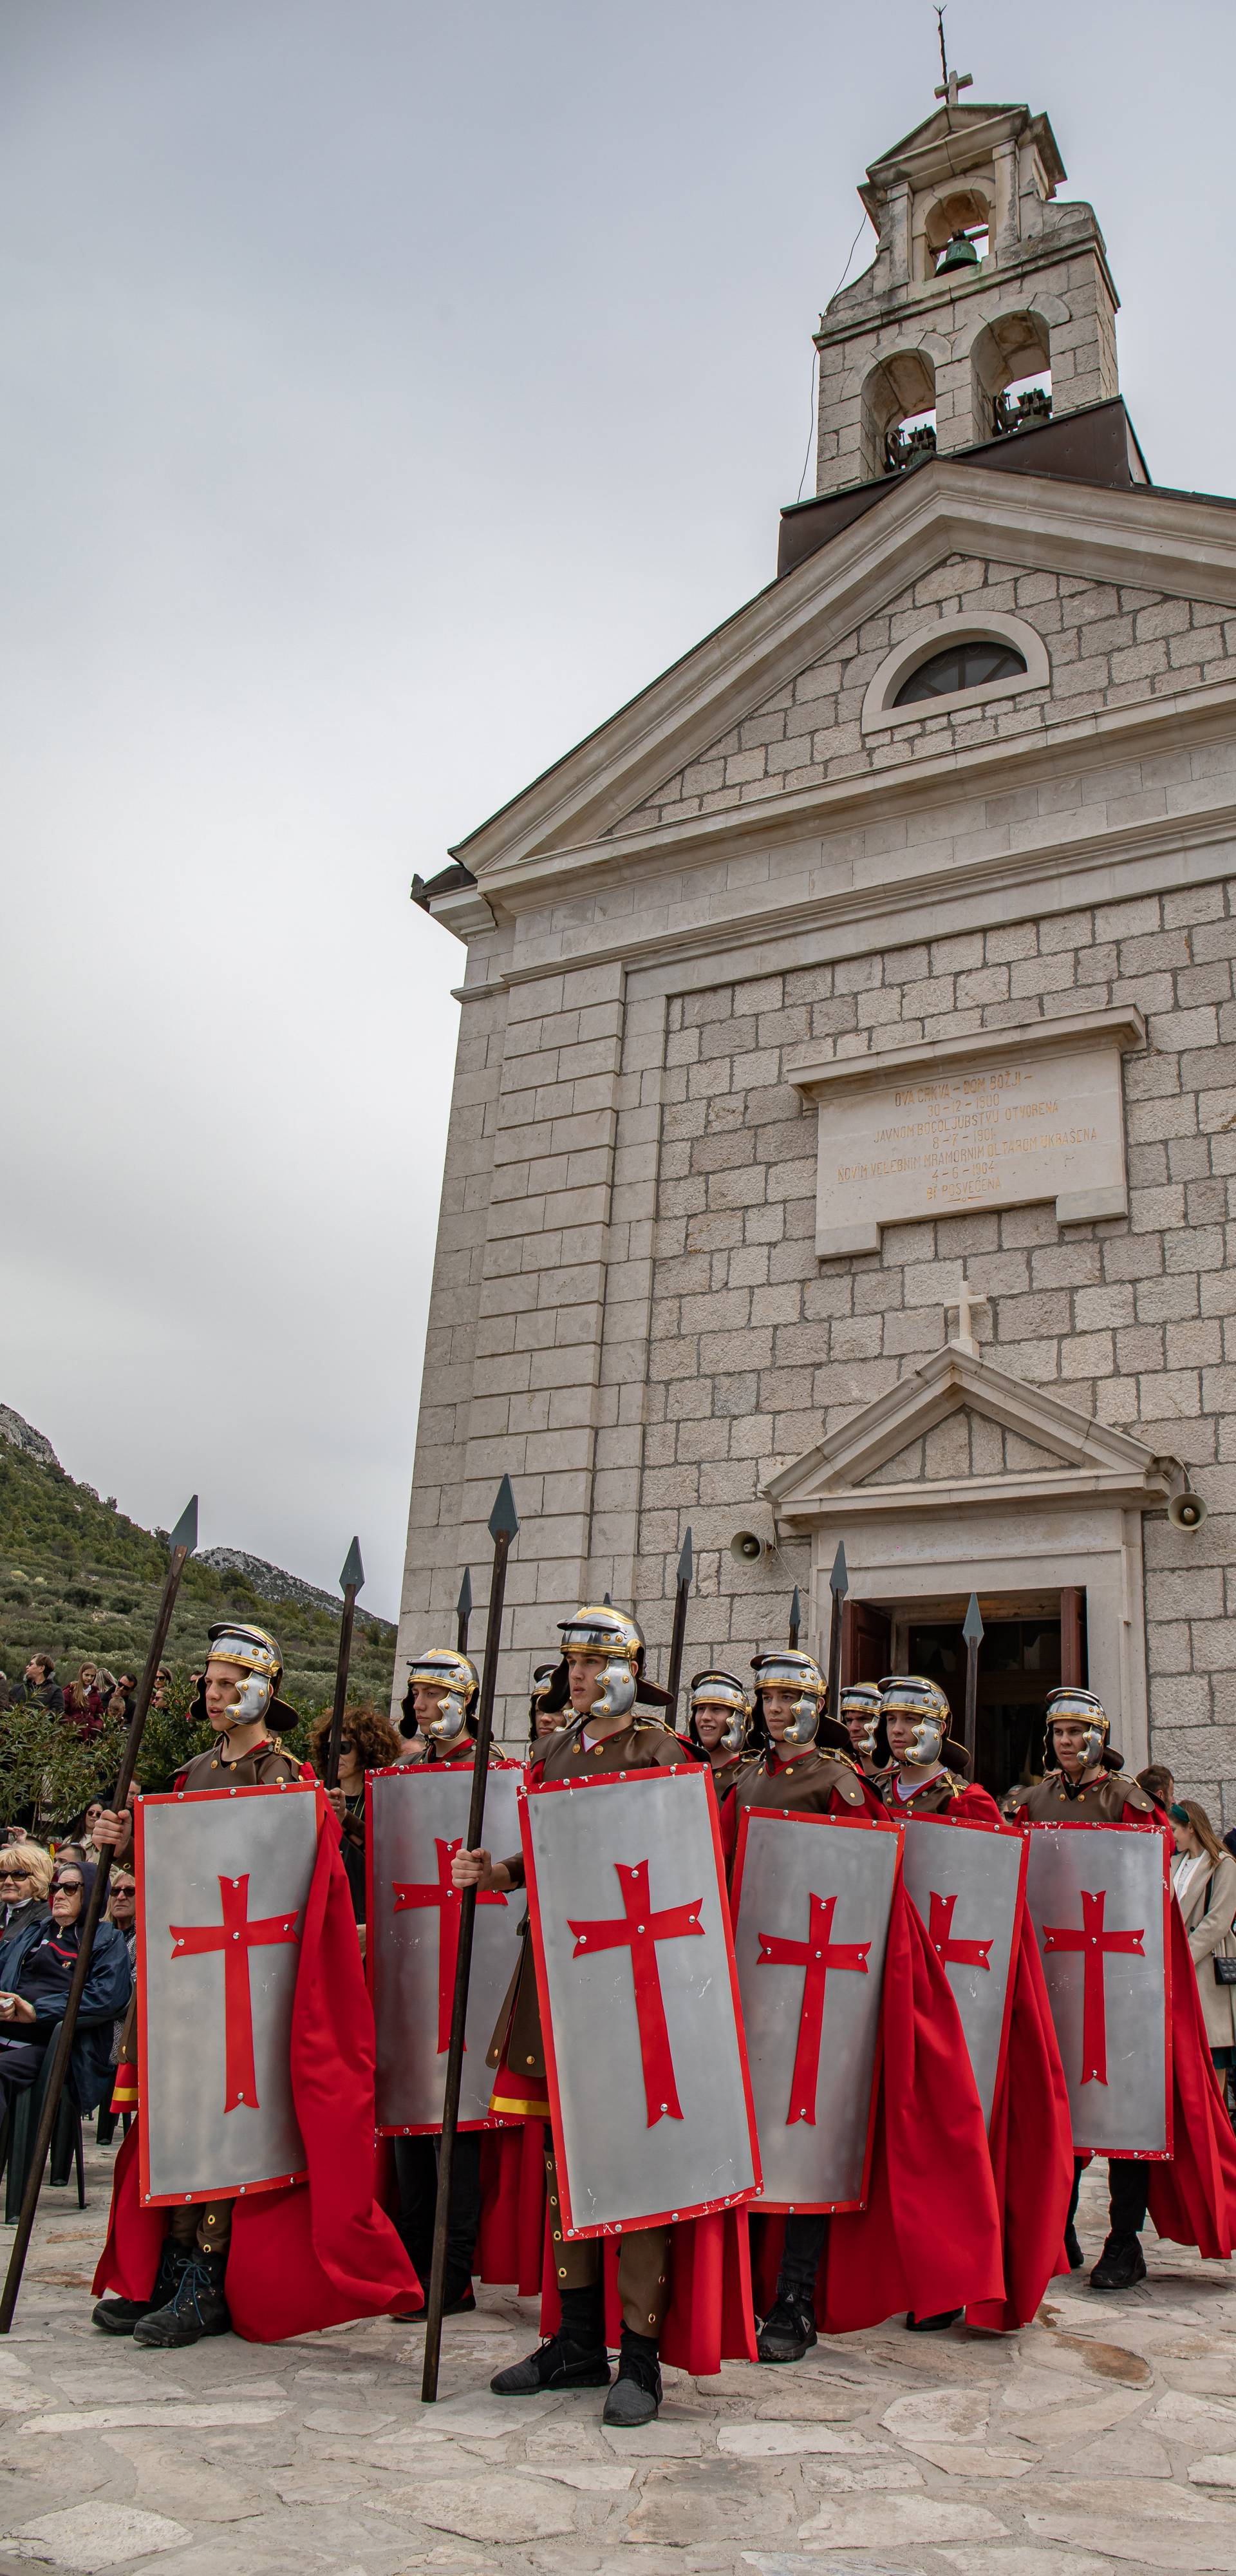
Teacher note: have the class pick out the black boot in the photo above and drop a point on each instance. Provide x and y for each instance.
(1072, 2247)
(575, 2357)
(119, 2316)
(636, 2393)
(1120, 2266)
(789, 2329)
(932, 2325)
(197, 2306)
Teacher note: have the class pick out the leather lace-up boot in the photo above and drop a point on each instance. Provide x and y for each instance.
(120, 2316)
(197, 2306)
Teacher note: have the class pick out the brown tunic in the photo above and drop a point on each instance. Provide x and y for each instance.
(267, 1764)
(642, 1746)
(1103, 1801)
(930, 1800)
(804, 1785)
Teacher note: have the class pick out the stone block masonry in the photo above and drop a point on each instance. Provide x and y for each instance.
(755, 1351)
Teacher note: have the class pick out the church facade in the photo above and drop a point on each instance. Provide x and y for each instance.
(844, 1124)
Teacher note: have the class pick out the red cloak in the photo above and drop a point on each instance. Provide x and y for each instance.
(321, 2252)
(1192, 2195)
(929, 2237)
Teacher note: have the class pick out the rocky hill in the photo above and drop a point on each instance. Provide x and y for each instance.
(81, 1582)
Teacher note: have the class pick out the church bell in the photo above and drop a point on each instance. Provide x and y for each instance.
(957, 253)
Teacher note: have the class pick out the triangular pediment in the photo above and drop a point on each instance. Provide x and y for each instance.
(961, 1431)
(577, 814)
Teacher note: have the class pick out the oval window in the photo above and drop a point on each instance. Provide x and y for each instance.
(972, 665)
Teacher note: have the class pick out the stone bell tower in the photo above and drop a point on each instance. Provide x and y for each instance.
(982, 283)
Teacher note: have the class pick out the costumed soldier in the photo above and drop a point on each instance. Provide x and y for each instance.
(719, 1723)
(926, 1770)
(238, 1695)
(442, 1695)
(860, 1716)
(852, 2270)
(1192, 2196)
(928, 1777)
(603, 1654)
(807, 1766)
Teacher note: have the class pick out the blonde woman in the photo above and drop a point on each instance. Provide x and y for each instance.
(1204, 1879)
(25, 1885)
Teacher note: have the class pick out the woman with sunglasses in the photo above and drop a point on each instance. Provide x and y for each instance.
(36, 1971)
(25, 1886)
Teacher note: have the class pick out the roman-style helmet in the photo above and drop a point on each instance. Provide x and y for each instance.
(784, 1668)
(258, 1654)
(862, 1700)
(914, 1696)
(718, 1689)
(457, 1677)
(609, 1634)
(1081, 1707)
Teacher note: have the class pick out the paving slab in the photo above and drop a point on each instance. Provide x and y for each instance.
(1101, 2441)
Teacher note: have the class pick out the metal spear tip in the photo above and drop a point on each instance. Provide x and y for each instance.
(796, 1610)
(504, 1519)
(972, 1627)
(839, 1581)
(463, 1607)
(685, 1562)
(353, 1574)
(185, 1533)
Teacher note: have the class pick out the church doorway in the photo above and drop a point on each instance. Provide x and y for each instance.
(1031, 1642)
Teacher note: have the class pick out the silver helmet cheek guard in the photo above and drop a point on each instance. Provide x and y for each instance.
(733, 1734)
(252, 1700)
(617, 1692)
(449, 1720)
(1092, 1747)
(928, 1740)
(865, 1744)
(804, 1721)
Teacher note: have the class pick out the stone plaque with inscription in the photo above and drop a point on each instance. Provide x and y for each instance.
(989, 1121)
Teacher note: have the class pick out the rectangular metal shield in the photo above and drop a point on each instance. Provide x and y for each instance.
(223, 1878)
(812, 1900)
(648, 2085)
(966, 1882)
(1099, 1898)
(417, 1821)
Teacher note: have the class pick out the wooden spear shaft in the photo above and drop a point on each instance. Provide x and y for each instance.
(682, 1595)
(503, 1524)
(350, 1582)
(184, 1540)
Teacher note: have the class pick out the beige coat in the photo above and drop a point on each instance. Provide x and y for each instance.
(1208, 1909)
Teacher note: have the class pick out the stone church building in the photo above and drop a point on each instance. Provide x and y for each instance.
(845, 1114)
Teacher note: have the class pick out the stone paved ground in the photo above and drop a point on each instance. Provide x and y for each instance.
(1102, 2437)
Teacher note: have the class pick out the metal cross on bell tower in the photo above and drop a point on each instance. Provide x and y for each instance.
(953, 81)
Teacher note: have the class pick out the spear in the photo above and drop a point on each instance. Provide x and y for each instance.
(350, 1583)
(503, 1524)
(972, 1631)
(839, 1585)
(463, 1612)
(182, 1543)
(679, 1631)
(796, 1619)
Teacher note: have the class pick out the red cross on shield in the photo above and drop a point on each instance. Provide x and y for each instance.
(1099, 1898)
(223, 1881)
(967, 1882)
(417, 1820)
(812, 1899)
(647, 2075)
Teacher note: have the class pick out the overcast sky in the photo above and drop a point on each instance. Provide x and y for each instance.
(388, 391)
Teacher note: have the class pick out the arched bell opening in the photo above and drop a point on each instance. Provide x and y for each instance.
(898, 414)
(1011, 360)
(956, 233)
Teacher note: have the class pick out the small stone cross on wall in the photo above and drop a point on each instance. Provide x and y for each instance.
(967, 1302)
